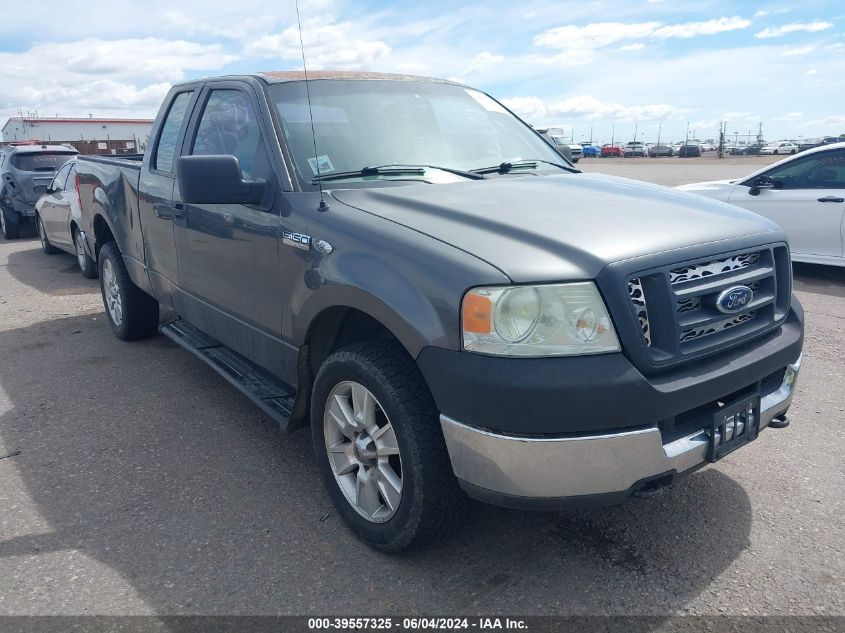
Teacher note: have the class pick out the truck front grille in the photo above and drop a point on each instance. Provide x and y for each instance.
(675, 306)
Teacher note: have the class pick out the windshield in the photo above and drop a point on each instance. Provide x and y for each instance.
(364, 123)
(41, 161)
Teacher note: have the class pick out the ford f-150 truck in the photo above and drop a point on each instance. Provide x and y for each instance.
(407, 268)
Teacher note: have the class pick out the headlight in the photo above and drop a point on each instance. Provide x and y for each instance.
(550, 320)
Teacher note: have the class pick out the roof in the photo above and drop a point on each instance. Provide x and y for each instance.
(298, 75)
(33, 147)
(79, 120)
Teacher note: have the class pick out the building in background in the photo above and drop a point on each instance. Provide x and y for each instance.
(88, 136)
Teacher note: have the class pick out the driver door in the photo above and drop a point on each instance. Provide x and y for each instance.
(807, 201)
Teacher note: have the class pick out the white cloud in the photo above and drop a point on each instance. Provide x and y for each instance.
(795, 27)
(480, 63)
(811, 72)
(789, 117)
(632, 47)
(693, 29)
(101, 75)
(798, 50)
(334, 45)
(833, 119)
(599, 34)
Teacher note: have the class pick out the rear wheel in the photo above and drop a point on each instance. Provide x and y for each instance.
(48, 248)
(10, 228)
(775, 152)
(87, 266)
(379, 447)
(132, 313)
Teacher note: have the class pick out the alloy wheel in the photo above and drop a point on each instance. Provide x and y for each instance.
(363, 451)
(41, 235)
(112, 293)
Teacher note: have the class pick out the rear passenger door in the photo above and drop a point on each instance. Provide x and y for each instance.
(229, 253)
(55, 209)
(155, 196)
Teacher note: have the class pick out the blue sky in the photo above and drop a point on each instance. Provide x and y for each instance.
(579, 65)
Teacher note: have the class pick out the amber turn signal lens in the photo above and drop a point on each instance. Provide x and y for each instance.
(477, 313)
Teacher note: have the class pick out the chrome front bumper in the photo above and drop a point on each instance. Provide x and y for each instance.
(500, 467)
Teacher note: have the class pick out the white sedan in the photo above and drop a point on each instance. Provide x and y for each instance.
(782, 147)
(804, 194)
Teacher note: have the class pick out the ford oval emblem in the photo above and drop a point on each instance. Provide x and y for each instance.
(734, 299)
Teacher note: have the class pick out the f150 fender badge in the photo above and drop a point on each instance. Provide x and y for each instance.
(296, 239)
(734, 299)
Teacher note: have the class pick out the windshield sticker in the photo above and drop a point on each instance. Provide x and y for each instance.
(486, 102)
(325, 164)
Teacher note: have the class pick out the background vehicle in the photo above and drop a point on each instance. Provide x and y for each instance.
(572, 152)
(430, 335)
(746, 150)
(591, 151)
(781, 147)
(57, 218)
(660, 150)
(26, 168)
(689, 151)
(562, 148)
(810, 143)
(611, 151)
(633, 149)
(804, 194)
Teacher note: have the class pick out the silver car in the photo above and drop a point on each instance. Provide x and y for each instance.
(804, 193)
(57, 215)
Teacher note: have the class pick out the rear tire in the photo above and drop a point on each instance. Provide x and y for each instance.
(48, 248)
(11, 230)
(359, 392)
(132, 313)
(87, 266)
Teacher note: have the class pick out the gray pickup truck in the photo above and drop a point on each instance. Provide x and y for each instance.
(449, 306)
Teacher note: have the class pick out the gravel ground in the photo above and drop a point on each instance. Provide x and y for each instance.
(147, 485)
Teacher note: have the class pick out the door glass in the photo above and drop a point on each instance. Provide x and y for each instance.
(229, 126)
(170, 131)
(823, 170)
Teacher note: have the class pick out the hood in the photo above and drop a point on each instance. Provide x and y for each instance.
(719, 189)
(562, 227)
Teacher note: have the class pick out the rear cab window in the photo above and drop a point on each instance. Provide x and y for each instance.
(170, 129)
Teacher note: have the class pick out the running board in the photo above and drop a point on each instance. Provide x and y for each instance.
(274, 397)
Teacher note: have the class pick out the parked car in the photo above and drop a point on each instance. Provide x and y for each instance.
(488, 335)
(611, 151)
(656, 151)
(591, 151)
(816, 142)
(573, 152)
(804, 194)
(781, 147)
(746, 150)
(57, 217)
(562, 148)
(633, 149)
(689, 151)
(26, 168)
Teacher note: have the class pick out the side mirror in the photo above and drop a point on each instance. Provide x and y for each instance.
(216, 179)
(50, 189)
(760, 183)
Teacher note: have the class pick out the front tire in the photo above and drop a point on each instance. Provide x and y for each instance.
(132, 313)
(775, 152)
(48, 248)
(379, 447)
(87, 266)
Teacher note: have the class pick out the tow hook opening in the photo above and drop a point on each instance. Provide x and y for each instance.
(652, 488)
(780, 422)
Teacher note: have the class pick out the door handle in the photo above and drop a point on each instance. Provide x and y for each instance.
(178, 210)
(831, 199)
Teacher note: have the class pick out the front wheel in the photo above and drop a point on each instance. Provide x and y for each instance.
(132, 313)
(775, 152)
(379, 447)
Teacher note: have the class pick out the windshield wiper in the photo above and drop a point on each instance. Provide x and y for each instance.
(393, 170)
(505, 167)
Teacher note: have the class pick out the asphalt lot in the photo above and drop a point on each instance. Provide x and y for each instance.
(147, 485)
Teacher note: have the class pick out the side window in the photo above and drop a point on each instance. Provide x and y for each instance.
(823, 170)
(58, 183)
(166, 149)
(229, 126)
